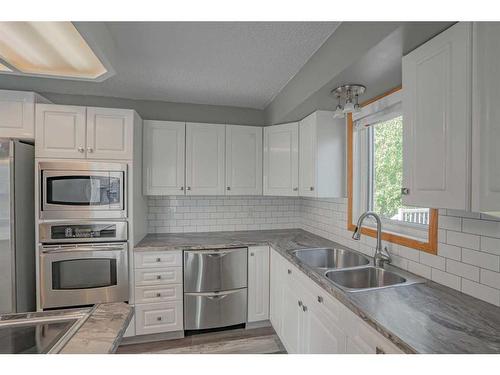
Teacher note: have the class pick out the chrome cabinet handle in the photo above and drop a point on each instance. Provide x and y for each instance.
(158, 259)
(295, 189)
(182, 188)
(252, 254)
(81, 149)
(320, 299)
(158, 277)
(405, 191)
(304, 308)
(299, 303)
(228, 188)
(188, 188)
(289, 271)
(311, 188)
(90, 149)
(158, 294)
(159, 318)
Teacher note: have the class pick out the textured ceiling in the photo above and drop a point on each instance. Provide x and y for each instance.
(219, 63)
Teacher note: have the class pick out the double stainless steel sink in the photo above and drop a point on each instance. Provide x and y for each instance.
(352, 271)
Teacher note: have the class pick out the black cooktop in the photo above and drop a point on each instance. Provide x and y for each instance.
(32, 338)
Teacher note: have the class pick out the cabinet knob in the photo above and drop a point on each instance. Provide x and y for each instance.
(311, 188)
(159, 318)
(289, 271)
(299, 302)
(228, 188)
(405, 191)
(320, 299)
(158, 259)
(188, 188)
(158, 294)
(304, 308)
(182, 188)
(252, 254)
(158, 277)
(90, 149)
(81, 149)
(295, 189)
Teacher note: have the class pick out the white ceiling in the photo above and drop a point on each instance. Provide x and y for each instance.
(219, 63)
(235, 63)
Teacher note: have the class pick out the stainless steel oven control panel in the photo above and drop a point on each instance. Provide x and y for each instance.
(81, 231)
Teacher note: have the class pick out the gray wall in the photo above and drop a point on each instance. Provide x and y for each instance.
(158, 110)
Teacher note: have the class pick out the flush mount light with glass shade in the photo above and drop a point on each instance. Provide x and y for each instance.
(350, 94)
(51, 49)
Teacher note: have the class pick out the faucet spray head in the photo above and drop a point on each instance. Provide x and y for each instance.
(357, 234)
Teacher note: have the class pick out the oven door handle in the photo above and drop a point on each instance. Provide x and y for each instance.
(85, 249)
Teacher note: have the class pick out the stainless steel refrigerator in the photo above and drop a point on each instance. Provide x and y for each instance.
(17, 227)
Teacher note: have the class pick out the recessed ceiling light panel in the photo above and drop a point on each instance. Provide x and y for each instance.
(48, 48)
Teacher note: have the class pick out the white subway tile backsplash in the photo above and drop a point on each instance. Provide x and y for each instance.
(468, 250)
(462, 239)
(480, 259)
(483, 292)
(461, 269)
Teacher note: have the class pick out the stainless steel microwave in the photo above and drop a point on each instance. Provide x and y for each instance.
(82, 190)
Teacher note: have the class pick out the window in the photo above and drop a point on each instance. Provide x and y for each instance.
(375, 176)
(385, 174)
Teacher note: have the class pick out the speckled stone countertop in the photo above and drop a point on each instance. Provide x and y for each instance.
(102, 331)
(419, 318)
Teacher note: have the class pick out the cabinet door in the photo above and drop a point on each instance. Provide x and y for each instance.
(243, 160)
(486, 118)
(17, 114)
(60, 131)
(205, 159)
(437, 112)
(164, 157)
(258, 283)
(291, 324)
(109, 133)
(281, 159)
(307, 156)
(276, 291)
(320, 335)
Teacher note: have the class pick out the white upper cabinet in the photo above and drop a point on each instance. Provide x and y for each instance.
(437, 113)
(281, 159)
(486, 118)
(17, 113)
(75, 132)
(164, 157)
(243, 160)
(205, 159)
(258, 283)
(109, 133)
(60, 131)
(322, 156)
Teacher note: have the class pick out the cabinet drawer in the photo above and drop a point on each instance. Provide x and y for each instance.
(158, 259)
(158, 317)
(160, 293)
(158, 276)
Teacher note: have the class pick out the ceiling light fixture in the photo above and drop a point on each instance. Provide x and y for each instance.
(48, 48)
(350, 93)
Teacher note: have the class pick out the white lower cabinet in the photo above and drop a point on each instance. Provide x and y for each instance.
(158, 292)
(309, 321)
(258, 283)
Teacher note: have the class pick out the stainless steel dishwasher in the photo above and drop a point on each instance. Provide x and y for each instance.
(215, 288)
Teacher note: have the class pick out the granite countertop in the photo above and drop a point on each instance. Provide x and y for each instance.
(419, 318)
(102, 330)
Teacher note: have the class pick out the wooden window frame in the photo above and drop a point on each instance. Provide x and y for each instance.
(431, 245)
